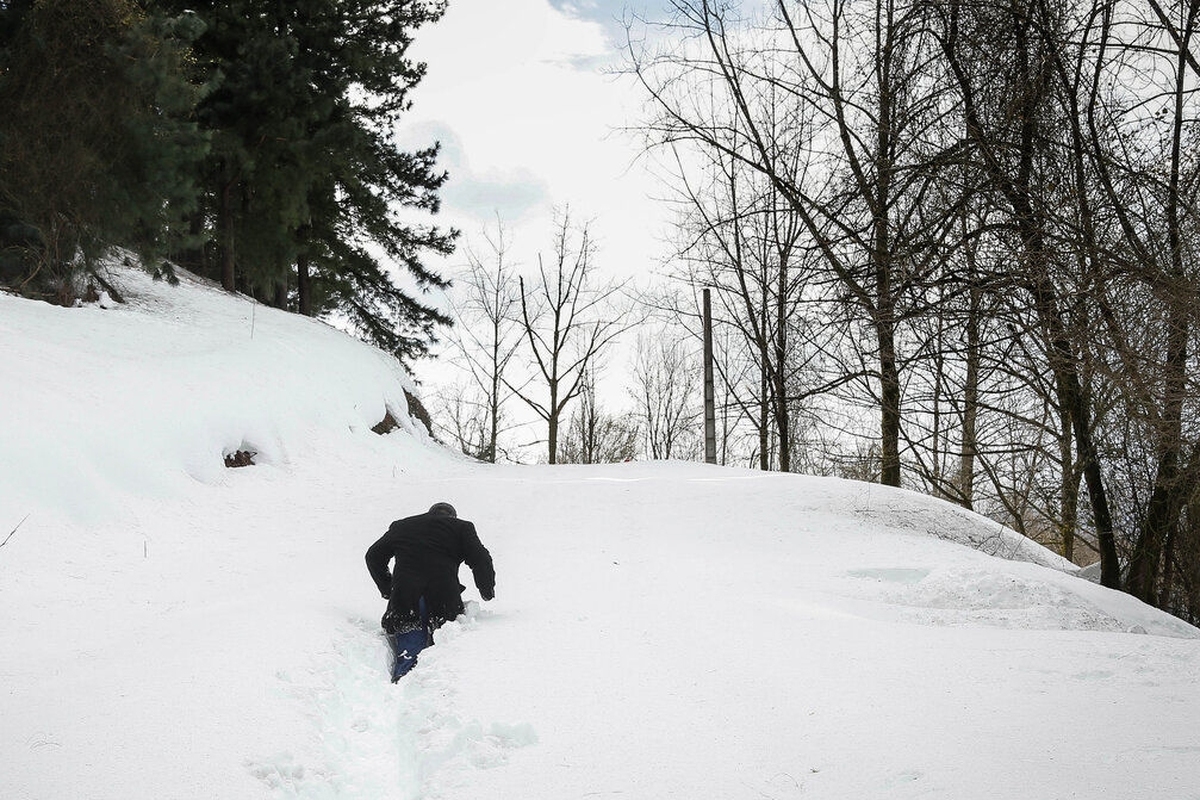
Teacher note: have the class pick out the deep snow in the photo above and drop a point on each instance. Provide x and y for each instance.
(176, 629)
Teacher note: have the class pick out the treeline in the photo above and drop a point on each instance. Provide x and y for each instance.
(953, 246)
(539, 340)
(250, 141)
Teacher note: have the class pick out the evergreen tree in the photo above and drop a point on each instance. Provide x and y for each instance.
(96, 147)
(357, 52)
(306, 185)
(12, 15)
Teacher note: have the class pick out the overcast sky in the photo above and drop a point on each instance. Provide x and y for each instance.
(522, 97)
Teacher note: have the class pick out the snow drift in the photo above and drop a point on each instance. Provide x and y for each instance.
(177, 629)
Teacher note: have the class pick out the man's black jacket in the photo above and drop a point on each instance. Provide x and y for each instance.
(428, 550)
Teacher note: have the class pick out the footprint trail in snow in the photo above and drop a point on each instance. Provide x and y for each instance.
(375, 739)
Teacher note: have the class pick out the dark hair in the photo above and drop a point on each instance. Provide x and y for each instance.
(445, 509)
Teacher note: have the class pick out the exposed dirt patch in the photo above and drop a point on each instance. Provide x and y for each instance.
(417, 411)
(386, 425)
(240, 458)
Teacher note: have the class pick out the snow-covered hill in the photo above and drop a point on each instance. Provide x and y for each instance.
(176, 629)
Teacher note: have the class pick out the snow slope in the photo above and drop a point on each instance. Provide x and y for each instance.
(176, 629)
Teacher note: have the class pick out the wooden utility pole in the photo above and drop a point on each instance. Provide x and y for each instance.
(710, 407)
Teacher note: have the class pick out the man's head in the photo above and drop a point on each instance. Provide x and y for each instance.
(443, 509)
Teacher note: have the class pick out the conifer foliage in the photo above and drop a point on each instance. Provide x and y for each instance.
(95, 144)
(252, 141)
(307, 197)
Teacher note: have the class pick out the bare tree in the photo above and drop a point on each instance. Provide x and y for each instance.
(743, 242)
(666, 379)
(856, 73)
(463, 419)
(567, 321)
(489, 331)
(1011, 111)
(996, 208)
(1133, 82)
(592, 435)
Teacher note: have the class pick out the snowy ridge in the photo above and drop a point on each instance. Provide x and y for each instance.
(150, 395)
(177, 629)
(901, 510)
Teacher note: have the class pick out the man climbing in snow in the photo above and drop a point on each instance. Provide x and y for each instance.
(423, 590)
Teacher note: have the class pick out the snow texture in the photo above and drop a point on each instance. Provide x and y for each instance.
(173, 628)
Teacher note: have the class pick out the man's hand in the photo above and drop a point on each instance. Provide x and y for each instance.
(488, 595)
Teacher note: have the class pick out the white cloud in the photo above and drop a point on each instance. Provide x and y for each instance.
(529, 121)
(527, 117)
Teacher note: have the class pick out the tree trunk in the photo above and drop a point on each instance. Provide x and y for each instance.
(782, 417)
(225, 224)
(1064, 364)
(552, 424)
(1069, 516)
(1166, 499)
(304, 285)
(764, 406)
(882, 256)
(966, 469)
(889, 401)
(494, 396)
